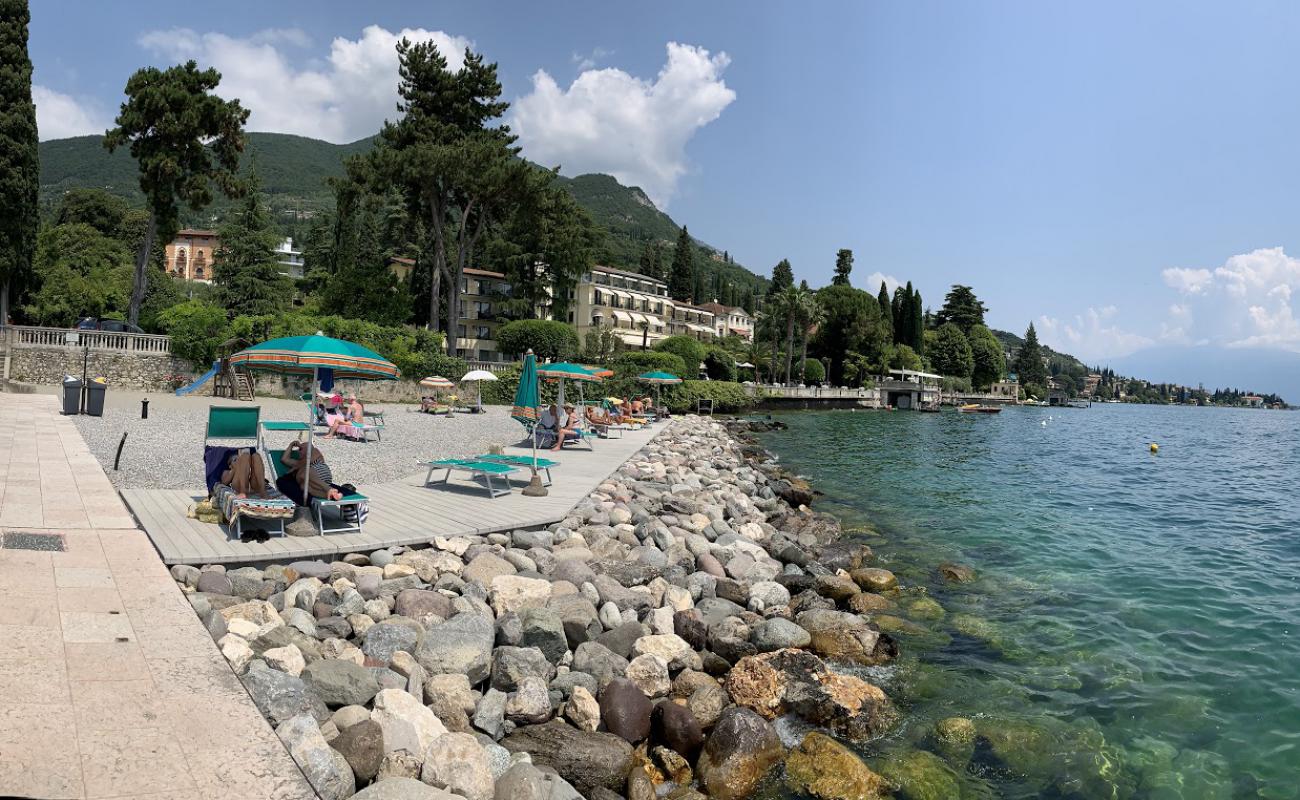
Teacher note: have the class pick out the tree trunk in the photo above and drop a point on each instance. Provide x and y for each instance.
(803, 360)
(437, 218)
(776, 352)
(4, 303)
(435, 295)
(789, 348)
(141, 281)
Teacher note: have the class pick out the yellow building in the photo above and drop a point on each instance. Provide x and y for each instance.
(476, 328)
(691, 320)
(635, 307)
(190, 254)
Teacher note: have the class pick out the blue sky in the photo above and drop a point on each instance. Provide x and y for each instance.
(1122, 174)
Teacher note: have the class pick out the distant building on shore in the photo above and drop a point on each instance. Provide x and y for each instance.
(635, 307)
(1252, 401)
(189, 256)
(478, 317)
(731, 321)
(289, 259)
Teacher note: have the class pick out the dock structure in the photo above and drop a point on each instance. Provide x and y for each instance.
(402, 512)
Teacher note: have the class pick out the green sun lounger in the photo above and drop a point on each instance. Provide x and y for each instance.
(524, 462)
(359, 501)
(476, 468)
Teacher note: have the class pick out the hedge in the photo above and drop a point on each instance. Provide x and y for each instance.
(720, 365)
(690, 351)
(728, 397)
(548, 339)
(642, 361)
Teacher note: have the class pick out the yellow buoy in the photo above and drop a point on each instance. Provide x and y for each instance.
(1155, 448)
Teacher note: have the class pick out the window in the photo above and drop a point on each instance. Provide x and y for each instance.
(482, 332)
(460, 331)
(180, 261)
(483, 309)
(599, 298)
(487, 355)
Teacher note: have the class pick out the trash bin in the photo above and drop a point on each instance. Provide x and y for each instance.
(71, 395)
(95, 397)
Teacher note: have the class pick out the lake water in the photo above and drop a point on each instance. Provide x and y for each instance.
(1135, 628)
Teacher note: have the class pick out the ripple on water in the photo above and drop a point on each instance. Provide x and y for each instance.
(1135, 615)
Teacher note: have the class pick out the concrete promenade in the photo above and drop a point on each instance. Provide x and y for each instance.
(109, 685)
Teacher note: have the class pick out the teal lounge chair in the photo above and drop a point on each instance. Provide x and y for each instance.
(524, 462)
(476, 469)
(359, 501)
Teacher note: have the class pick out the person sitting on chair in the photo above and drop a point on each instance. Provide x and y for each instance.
(245, 474)
(349, 423)
(598, 420)
(320, 479)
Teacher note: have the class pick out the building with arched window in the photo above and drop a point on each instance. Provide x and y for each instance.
(189, 256)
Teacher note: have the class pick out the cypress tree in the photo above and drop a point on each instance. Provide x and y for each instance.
(843, 266)
(782, 278)
(886, 311)
(681, 279)
(918, 324)
(901, 309)
(19, 167)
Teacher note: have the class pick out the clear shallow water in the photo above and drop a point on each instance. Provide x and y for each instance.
(1135, 629)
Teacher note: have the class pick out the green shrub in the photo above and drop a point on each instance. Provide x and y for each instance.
(415, 351)
(196, 328)
(720, 365)
(501, 392)
(636, 362)
(813, 371)
(548, 339)
(690, 351)
(728, 397)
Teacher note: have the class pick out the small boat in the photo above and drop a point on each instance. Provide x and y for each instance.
(1077, 403)
(976, 408)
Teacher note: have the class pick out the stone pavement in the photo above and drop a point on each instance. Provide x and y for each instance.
(109, 685)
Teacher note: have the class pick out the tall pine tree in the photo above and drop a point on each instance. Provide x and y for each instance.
(843, 266)
(918, 323)
(681, 279)
(1029, 361)
(19, 168)
(244, 268)
(782, 278)
(886, 311)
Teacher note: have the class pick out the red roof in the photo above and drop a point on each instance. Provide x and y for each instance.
(195, 233)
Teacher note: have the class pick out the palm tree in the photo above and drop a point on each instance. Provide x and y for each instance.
(789, 302)
(812, 315)
(767, 323)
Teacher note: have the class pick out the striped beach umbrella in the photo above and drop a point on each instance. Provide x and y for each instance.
(658, 378)
(437, 382)
(564, 370)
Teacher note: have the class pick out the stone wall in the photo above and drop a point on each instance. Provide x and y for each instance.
(139, 371)
(271, 385)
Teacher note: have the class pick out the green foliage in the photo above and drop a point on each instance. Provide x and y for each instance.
(690, 350)
(728, 398)
(19, 168)
(501, 392)
(81, 273)
(720, 365)
(415, 351)
(782, 278)
(651, 264)
(1037, 391)
(638, 362)
(244, 269)
(357, 281)
(812, 370)
(949, 351)
(962, 308)
(197, 328)
(853, 324)
(548, 339)
(184, 139)
(681, 277)
(986, 350)
(600, 346)
(1029, 361)
(886, 311)
(843, 266)
(900, 356)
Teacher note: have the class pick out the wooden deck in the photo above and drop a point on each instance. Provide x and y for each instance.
(403, 512)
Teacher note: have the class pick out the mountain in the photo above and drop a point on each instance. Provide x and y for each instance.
(295, 169)
(1067, 363)
(1248, 369)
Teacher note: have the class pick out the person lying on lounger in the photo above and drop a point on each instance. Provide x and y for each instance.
(598, 420)
(320, 479)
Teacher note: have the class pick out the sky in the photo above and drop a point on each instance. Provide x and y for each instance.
(1122, 175)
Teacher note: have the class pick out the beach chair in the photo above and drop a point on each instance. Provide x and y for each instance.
(240, 424)
(524, 462)
(281, 426)
(357, 500)
(233, 423)
(476, 469)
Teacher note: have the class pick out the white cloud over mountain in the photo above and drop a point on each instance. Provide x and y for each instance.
(60, 115)
(342, 98)
(609, 121)
(874, 280)
(1094, 334)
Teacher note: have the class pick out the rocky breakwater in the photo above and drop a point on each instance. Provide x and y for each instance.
(640, 648)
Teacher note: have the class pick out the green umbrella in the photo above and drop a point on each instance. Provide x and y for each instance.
(527, 411)
(658, 378)
(564, 369)
(310, 355)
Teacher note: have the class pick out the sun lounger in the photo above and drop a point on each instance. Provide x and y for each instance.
(524, 462)
(476, 468)
(358, 501)
(274, 508)
(284, 426)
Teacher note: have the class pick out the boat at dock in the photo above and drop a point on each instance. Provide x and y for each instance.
(976, 408)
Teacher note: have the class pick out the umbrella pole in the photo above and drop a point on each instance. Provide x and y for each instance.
(311, 433)
(535, 487)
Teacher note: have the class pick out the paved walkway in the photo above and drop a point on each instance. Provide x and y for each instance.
(109, 685)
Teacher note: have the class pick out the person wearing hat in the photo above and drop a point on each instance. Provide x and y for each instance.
(349, 424)
(567, 429)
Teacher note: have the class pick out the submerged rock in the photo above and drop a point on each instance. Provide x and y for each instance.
(827, 770)
(956, 573)
(920, 775)
(739, 752)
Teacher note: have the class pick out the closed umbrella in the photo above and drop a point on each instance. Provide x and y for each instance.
(311, 355)
(477, 375)
(526, 410)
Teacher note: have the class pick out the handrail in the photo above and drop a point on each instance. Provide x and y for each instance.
(35, 336)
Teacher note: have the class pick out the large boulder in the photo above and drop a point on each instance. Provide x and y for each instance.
(362, 745)
(407, 724)
(460, 645)
(842, 636)
(578, 616)
(510, 665)
(486, 566)
(458, 763)
(827, 770)
(739, 752)
(399, 788)
(585, 759)
(341, 683)
(544, 629)
(420, 603)
(514, 593)
(676, 726)
(280, 696)
(778, 633)
(326, 769)
(386, 638)
(625, 710)
(523, 782)
(921, 775)
(798, 682)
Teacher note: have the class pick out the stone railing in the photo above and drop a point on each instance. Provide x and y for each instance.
(495, 367)
(31, 336)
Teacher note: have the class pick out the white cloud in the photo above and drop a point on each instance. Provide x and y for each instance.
(59, 115)
(586, 62)
(1093, 335)
(874, 280)
(345, 97)
(631, 128)
(1247, 302)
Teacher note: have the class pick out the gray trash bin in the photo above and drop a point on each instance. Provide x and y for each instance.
(71, 395)
(95, 398)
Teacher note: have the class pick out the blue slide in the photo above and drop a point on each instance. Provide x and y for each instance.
(199, 381)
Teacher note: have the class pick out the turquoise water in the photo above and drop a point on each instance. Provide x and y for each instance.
(1135, 629)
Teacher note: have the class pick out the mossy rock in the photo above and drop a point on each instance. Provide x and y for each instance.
(1021, 748)
(925, 608)
(921, 775)
(827, 770)
(954, 739)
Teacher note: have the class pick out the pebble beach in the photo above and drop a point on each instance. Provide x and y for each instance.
(692, 629)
